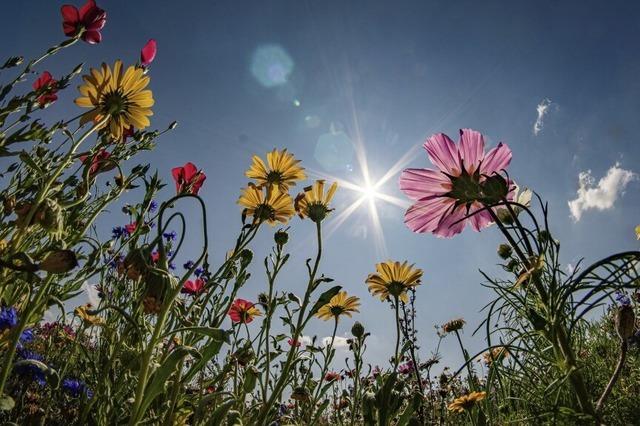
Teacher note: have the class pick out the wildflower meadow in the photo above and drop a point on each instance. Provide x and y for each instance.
(178, 338)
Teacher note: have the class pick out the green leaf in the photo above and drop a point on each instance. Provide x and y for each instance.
(28, 161)
(207, 352)
(324, 299)
(159, 378)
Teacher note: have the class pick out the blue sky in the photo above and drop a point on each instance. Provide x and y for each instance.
(383, 75)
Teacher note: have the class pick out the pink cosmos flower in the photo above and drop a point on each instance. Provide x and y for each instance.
(148, 53)
(406, 368)
(193, 287)
(49, 86)
(447, 197)
(294, 342)
(90, 18)
(131, 227)
(188, 179)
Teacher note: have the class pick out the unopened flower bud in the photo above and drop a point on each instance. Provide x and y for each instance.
(293, 298)
(504, 251)
(13, 61)
(9, 203)
(357, 330)
(625, 322)
(281, 237)
(59, 262)
(246, 256)
(173, 125)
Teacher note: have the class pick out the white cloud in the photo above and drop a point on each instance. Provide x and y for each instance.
(306, 340)
(91, 293)
(601, 195)
(542, 109)
(338, 342)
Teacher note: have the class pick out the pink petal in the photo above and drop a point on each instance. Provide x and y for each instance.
(471, 148)
(92, 37)
(148, 53)
(452, 223)
(479, 220)
(443, 153)
(69, 14)
(89, 6)
(190, 171)
(418, 184)
(496, 160)
(425, 215)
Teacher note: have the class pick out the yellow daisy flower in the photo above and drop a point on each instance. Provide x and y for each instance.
(393, 279)
(340, 304)
(638, 232)
(495, 354)
(118, 94)
(266, 204)
(465, 402)
(83, 313)
(313, 202)
(282, 170)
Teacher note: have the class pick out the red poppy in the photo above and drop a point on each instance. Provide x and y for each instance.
(188, 179)
(332, 376)
(155, 256)
(243, 311)
(294, 342)
(131, 228)
(193, 287)
(99, 162)
(90, 19)
(148, 53)
(48, 86)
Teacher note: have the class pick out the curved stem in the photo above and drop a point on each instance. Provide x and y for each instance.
(614, 377)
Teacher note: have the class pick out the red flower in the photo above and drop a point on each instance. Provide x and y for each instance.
(99, 162)
(155, 256)
(131, 228)
(148, 53)
(332, 376)
(243, 311)
(293, 342)
(48, 86)
(89, 20)
(127, 133)
(188, 179)
(193, 287)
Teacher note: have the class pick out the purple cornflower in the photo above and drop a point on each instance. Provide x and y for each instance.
(188, 265)
(153, 206)
(31, 371)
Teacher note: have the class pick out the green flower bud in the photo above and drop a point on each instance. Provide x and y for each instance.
(293, 298)
(357, 330)
(59, 262)
(246, 256)
(504, 251)
(281, 237)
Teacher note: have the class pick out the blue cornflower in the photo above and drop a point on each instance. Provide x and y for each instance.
(75, 388)
(119, 231)
(26, 336)
(153, 206)
(172, 266)
(8, 318)
(622, 299)
(170, 236)
(188, 265)
(199, 271)
(31, 371)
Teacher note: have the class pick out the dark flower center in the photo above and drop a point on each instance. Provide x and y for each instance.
(274, 177)
(317, 211)
(396, 288)
(265, 212)
(114, 103)
(337, 310)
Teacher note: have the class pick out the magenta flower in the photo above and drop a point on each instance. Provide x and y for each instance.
(148, 53)
(447, 197)
(89, 18)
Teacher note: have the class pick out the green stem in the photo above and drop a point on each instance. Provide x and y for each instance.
(280, 384)
(396, 358)
(325, 367)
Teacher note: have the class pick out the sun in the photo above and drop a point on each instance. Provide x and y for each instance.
(369, 191)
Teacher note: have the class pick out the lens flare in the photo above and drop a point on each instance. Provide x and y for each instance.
(271, 65)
